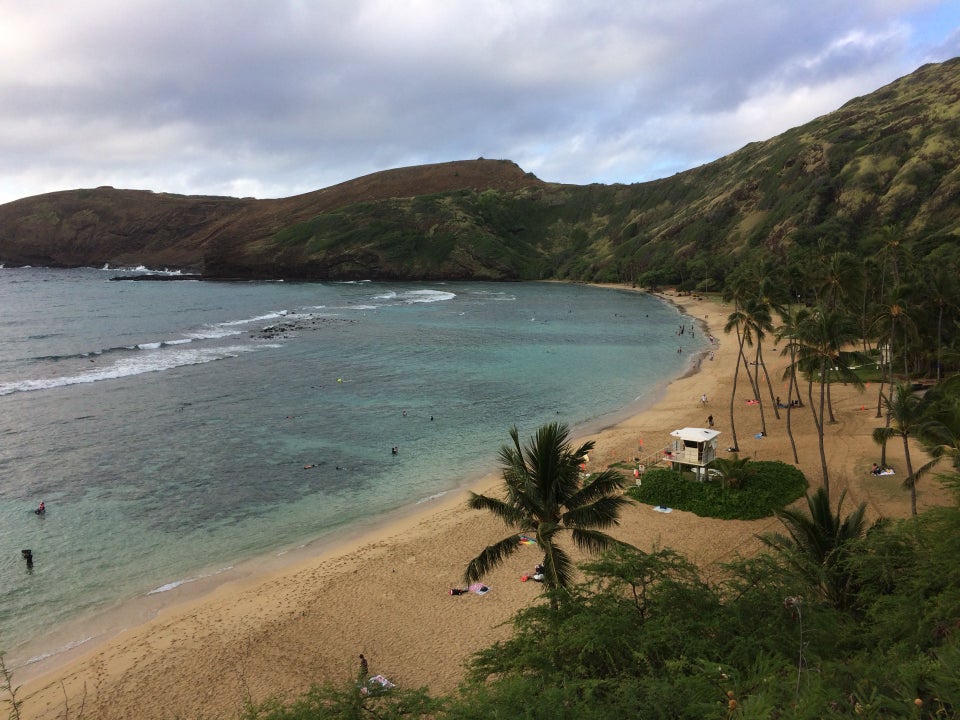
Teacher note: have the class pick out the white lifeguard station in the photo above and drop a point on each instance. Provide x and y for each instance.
(692, 447)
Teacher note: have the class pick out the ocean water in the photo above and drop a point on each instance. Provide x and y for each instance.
(176, 428)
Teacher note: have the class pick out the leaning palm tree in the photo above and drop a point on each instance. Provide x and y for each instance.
(546, 496)
(818, 544)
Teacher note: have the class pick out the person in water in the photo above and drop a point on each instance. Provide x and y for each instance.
(41, 508)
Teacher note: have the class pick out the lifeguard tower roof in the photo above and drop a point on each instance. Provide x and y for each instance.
(693, 434)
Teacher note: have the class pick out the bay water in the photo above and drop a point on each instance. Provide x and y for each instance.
(174, 429)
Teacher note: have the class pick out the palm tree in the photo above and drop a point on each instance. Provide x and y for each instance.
(941, 288)
(818, 544)
(735, 471)
(907, 415)
(940, 434)
(739, 321)
(789, 330)
(757, 322)
(819, 338)
(545, 496)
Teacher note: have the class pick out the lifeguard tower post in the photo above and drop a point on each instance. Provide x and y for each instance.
(693, 447)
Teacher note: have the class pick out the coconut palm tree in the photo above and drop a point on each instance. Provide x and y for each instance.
(941, 289)
(789, 330)
(940, 434)
(546, 496)
(738, 320)
(818, 544)
(820, 336)
(907, 415)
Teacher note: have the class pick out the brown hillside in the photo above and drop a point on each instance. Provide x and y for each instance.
(133, 227)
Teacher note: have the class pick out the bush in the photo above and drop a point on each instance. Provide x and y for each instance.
(773, 486)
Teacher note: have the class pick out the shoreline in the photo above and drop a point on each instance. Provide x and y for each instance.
(78, 638)
(40, 655)
(276, 630)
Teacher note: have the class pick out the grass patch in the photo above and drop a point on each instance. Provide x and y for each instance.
(773, 486)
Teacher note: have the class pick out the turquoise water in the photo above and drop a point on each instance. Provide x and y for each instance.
(176, 428)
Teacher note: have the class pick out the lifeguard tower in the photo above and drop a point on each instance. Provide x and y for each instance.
(693, 447)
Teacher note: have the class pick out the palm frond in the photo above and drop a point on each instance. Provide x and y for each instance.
(593, 541)
(492, 556)
(560, 570)
(505, 511)
(602, 513)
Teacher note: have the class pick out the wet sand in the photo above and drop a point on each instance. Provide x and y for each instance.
(281, 624)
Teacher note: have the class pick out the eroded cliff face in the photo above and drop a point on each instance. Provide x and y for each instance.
(105, 225)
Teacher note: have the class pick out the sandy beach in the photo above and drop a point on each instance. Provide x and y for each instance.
(384, 591)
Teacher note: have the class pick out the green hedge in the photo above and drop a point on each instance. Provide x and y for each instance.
(773, 486)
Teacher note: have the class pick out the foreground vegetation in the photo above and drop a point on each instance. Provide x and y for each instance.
(647, 635)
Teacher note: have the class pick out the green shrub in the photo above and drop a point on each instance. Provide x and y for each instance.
(773, 486)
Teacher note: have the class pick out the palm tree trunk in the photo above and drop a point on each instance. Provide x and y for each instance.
(880, 391)
(911, 480)
(763, 365)
(818, 422)
(893, 332)
(939, 339)
(757, 394)
(833, 420)
(733, 395)
(793, 379)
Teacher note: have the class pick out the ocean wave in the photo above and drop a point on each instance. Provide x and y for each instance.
(259, 318)
(426, 296)
(57, 651)
(408, 297)
(167, 587)
(133, 365)
(431, 498)
(216, 331)
(142, 270)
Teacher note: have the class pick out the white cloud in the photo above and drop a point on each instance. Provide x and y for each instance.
(271, 99)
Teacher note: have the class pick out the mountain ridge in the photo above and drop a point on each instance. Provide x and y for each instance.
(886, 161)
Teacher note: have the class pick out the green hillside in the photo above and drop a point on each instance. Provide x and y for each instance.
(886, 162)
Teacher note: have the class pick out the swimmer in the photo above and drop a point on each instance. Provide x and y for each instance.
(41, 508)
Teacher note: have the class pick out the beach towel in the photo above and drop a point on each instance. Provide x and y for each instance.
(525, 540)
(382, 681)
(663, 509)
(479, 589)
(376, 684)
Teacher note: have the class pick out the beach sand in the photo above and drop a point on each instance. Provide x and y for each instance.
(384, 593)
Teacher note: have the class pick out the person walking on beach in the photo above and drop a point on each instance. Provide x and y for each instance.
(709, 420)
(364, 667)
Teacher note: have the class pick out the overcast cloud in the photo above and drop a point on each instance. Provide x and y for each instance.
(274, 98)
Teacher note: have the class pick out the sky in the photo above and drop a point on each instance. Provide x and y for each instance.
(272, 98)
